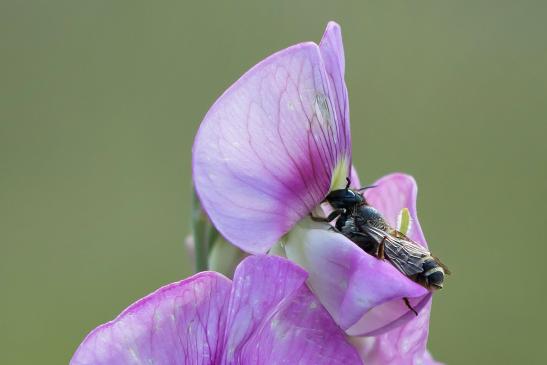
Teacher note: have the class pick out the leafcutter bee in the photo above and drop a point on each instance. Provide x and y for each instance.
(366, 227)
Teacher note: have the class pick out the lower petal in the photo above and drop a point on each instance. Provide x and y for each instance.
(300, 331)
(389, 315)
(180, 323)
(273, 318)
(403, 345)
(268, 315)
(260, 284)
(354, 286)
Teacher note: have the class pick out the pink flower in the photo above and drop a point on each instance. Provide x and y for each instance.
(267, 315)
(266, 155)
(403, 341)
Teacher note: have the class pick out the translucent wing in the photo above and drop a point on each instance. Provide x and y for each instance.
(405, 255)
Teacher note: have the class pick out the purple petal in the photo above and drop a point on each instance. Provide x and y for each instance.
(403, 345)
(268, 313)
(363, 294)
(300, 331)
(265, 153)
(332, 51)
(393, 193)
(180, 323)
(260, 284)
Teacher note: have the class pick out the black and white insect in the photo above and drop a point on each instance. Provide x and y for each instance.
(366, 227)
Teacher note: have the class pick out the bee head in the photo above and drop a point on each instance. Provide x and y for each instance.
(344, 198)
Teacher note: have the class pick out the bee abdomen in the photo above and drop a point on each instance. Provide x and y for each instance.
(433, 274)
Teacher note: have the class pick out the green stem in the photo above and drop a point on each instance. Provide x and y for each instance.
(199, 232)
(212, 236)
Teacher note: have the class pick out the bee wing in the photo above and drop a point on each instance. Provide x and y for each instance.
(443, 266)
(405, 255)
(439, 262)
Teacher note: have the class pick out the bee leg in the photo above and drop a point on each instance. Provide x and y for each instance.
(380, 254)
(409, 306)
(335, 214)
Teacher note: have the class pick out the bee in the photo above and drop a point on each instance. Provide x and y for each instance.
(366, 227)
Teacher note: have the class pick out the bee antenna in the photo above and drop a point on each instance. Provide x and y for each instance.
(367, 187)
(349, 182)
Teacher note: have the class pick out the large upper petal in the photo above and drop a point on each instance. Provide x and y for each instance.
(266, 152)
(332, 51)
(273, 318)
(181, 323)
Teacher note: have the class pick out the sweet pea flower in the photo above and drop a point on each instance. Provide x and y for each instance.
(265, 157)
(407, 343)
(267, 315)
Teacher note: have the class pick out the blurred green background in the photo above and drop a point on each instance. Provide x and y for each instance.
(100, 101)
